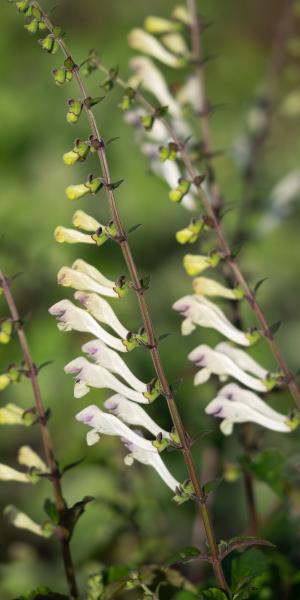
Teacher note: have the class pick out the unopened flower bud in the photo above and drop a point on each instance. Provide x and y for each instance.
(74, 112)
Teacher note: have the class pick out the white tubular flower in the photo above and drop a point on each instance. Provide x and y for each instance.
(144, 42)
(133, 414)
(22, 521)
(9, 474)
(107, 358)
(71, 317)
(102, 311)
(236, 393)
(71, 236)
(242, 360)
(151, 457)
(147, 74)
(175, 42)
(235, 405)
(107, 424)
(86, 222)
(189, 94)
(212, 362)
(11, 414)
(80, 281)
(84, 267)
(89, 375)
(203, 286)
(28, 458)
(200, 311)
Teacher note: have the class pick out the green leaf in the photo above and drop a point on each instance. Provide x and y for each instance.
(184, 555)
(72, 465)
(51, 510)
(247, 566)
(211, 486)
(42, 592)
(213, 593)
(241, 542)
(268, 467)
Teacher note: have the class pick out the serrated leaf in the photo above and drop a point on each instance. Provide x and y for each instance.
(185, 555)
(213, 594)
(238, 543)
(250, 564)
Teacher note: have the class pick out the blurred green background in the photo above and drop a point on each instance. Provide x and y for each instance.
(132, 518)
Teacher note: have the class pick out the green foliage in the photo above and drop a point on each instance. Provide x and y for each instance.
(268, 466)
(42, 593)
(246, 567)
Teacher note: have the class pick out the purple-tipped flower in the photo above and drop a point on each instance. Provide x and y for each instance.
(237, 405)
(88, 375)
(133, 414)
(71, 317)
(102, 311)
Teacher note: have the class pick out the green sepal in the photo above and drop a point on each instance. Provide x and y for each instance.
(153, 390)
(168, 152)
(59, 75)
(32, 27)
(24, 7)
(74, 111)
(160, 443)
(184, 492)
(147, 121)
(122, 286)
(99, 237)
(94, 184)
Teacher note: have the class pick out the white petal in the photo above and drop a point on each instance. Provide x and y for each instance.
(109, 359)
(107, 424)
(101, 310)
(9, 474)
(88, 375)
(22, 521)
(80, 281)
(144, 42)
(242, 359)
(133, 414)
(153, 81)
(235, 393)
(84, 267)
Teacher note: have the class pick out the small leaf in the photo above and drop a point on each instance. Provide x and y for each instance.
(163, 336)
(134, 227)
(211, 486)
(51, 510)
(183, 556)
(213, 594)
(247, 566)
(259, 284)
(273, 329)
(238, 543)
(72, 465)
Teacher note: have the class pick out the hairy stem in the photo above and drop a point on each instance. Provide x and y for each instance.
(167, 392)
(52, 464)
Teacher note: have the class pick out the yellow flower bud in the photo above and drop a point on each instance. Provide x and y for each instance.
(203, 286)
(4, 381)
(71, 236)
(70, 157)
(11, 415)
(74, 192)
(196, 263)
(155, 24)
(84, 221)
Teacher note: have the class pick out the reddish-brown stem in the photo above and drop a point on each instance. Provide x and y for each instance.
(135, 278)
(52, 464)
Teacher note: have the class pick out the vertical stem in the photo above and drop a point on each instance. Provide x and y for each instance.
(63, 533)
(127, 254)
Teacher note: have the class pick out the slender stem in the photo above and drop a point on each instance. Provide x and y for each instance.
(63, 533)
(289, 378)
(167, 392)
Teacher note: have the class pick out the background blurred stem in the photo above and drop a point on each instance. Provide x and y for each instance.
(62, 530)
(126, 250)
(239, 279)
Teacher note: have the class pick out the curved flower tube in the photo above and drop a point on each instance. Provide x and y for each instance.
(152, 458)
(144, 42)
(9, 474)
(107, 424)
(236, 393)
(242, 359)
(84, 221)
(203, 286)
(133, 414)
(71, 317)
(152, 80)
(83, 267)
(101, 310)
(212, 362)
(200, 311)
(107, 358)
(80, 281)
(235, 411)
(71, 236)
(89, 375)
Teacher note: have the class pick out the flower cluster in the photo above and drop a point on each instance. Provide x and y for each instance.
(103, 367)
